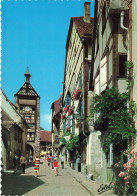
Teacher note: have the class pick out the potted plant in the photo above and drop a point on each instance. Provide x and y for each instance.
(76, 94)
(86, 171)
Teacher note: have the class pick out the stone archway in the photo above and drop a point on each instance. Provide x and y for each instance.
(30, 149)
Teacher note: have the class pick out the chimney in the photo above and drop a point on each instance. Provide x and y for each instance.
(87, 12)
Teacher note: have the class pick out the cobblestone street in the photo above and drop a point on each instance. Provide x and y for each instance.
(69, 182)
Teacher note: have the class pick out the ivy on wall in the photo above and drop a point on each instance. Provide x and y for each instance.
(72, 143)
(114, 112)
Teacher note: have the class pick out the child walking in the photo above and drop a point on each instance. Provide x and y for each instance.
(55, 167)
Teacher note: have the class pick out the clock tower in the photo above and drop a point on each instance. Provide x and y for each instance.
(28, 103)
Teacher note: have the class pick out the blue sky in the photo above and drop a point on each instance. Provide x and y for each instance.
(34, 33)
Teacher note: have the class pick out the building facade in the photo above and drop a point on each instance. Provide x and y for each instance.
(28, 103)
(14, 131)
(76, 80)
(108, 69)
(56, 118)
(45, 143)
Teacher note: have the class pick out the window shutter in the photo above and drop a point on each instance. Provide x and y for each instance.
(97, 85)
(68, 121)
(103, 74)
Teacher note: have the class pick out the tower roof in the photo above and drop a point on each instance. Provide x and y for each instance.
(27, 72)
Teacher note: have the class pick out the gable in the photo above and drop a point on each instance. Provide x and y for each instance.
(27, 89)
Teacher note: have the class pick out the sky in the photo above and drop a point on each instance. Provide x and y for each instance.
(34, 34)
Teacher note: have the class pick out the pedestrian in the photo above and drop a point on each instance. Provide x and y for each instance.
(23, 163)
(15, 162)
(49, 160)
(36, 165)
(52, 161)
(55, 163)
(62, 161)
(44, 157)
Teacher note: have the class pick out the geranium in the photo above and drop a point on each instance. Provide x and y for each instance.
(76, 94)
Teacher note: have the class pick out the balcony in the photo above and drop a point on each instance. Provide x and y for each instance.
(116, 6)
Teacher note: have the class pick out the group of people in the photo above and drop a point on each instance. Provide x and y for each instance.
(53, 161)
(19, 161)
(22, 161)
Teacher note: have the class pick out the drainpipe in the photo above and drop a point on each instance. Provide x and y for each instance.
(83, 89)
(128, 58)
(123, 27)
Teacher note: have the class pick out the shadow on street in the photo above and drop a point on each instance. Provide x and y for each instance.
(16, 184)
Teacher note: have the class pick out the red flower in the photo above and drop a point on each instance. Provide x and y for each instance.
(76, 94)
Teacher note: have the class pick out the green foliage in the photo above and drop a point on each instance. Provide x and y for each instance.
(63, 140)
(130, 77)
(41, 128)
(111, 106)
(86, 170)
(72, 143)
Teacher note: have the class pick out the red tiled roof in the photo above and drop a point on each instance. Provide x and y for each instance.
(45, 136)
(56, 106)
(83, 27)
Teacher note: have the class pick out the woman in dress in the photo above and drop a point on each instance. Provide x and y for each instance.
(36, 165)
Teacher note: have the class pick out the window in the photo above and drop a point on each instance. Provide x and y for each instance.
(75, 52)
(21, 108)
(33, 109)
(27, 108)
(67, 100)
(97, 38)
(68, 121)
(89, 71)
(27, 117)
(122, 65)
(80, 80)
(64, 127)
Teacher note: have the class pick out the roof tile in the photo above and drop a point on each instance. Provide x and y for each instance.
(45, 136)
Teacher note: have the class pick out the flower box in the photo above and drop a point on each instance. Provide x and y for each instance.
(76, 94)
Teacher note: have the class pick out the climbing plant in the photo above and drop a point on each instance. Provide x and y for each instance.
(72, 143)
(113, 113)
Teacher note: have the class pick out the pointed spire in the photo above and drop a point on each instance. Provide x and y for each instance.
(27, 75)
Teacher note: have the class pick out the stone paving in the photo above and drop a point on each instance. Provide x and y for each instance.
(67, 183)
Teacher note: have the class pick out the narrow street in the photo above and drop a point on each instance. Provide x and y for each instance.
(68, 183)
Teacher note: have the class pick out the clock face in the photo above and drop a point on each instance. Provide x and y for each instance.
(27, 108)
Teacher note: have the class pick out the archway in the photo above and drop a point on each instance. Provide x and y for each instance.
(29, 150)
